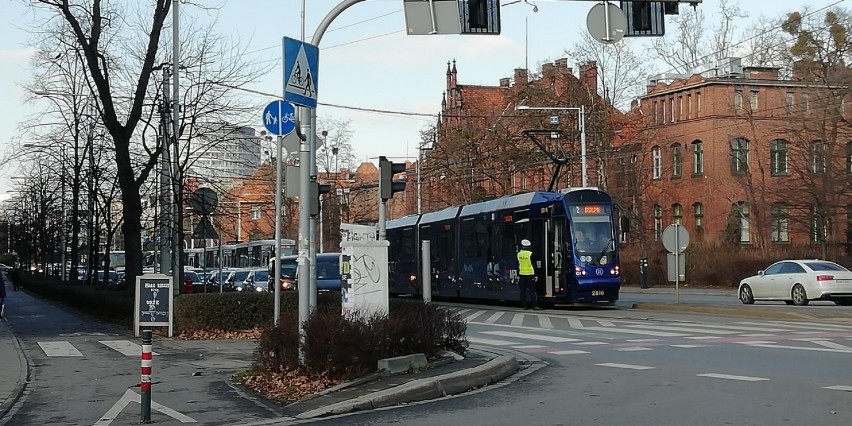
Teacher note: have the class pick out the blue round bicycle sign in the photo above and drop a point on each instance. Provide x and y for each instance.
(279, 118)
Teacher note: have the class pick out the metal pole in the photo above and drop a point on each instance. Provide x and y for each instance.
(62, 241)
(382, 218)
(419, 160)
(677, 263)
(221, 263)
(426, 270)
(276, 274)
(239, 221)
(312, 247)
(164, 238)
(145, 384)
(583, 145)
(177, 180)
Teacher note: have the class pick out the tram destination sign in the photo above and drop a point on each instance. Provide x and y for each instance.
(153, 302)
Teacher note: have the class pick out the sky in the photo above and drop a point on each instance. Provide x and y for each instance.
(366, 59)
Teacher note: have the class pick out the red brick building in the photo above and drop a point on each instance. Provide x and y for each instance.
(740, 155)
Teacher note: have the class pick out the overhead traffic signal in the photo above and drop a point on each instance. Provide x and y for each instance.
(317, 189)
(387, 186)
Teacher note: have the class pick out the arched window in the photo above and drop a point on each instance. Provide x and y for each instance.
(697, 157)
(657, 166)
(658, 221)
(677, 214)
(698, 215)
(677, 160)
(778, 160)
(739, 156)
(780, 223)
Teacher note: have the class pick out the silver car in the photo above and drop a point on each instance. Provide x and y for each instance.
(797, 282)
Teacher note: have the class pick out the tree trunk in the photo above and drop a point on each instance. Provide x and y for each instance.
(131, 227)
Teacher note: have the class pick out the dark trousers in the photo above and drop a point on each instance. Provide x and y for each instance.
(528, 291)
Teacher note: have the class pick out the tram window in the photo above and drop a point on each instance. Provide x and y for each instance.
(507, 240)
(406, 244)
(469, 243)
(481, 239)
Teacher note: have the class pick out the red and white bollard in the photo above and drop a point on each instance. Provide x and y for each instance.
(145, 384)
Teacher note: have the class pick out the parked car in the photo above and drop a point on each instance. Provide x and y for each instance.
(797, 282)
(238, 280)
(112, 280)
(259, 278)
(328, 272)
(216, 277)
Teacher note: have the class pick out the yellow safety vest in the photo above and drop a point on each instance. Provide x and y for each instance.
(525, 265)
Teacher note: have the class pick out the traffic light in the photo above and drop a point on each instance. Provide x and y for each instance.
(317, 189)
(480, 16)
(387, 186)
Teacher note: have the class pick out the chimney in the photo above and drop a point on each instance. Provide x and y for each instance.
(504, 82)
(547, 70)
(561, 63)
(521, 76)
(589, 75)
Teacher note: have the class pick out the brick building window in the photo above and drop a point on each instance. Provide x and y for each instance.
(738, 100)
(752, 100)
(819, 227)
(698, 215)
(677, 160)
(255, 212)
(673, 116)
(780, 223)
(655, 118)
(817, 157)
(806, 104)
(740, 222)
(739, 156)
(657, 166)
(698, 101)
(689, 106)
(778, 160)
(663, 114)
(658, 221)
(697, 157)
(789, 103)
(677, 214)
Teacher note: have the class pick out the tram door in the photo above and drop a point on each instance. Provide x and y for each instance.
(551, 231)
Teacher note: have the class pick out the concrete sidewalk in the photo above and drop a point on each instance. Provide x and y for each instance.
(14, 368)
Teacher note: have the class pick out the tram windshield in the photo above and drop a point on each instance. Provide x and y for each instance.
(592, 231)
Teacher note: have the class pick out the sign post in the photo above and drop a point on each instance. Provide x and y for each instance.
(676, 240)
(153, 302)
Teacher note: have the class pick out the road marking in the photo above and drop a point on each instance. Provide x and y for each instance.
(494, 317)
(574, 323)
(591, 343)
(518, 319)
(832, 345)
(846, 351)
(126, 347)
(840, 388)
(704, 337)
(552, 339)
(462, 311)
(490, 342)
(812, 325)
(528, 347)
(756, 342)
(732, 327)
(760, 335)
(632, 331)
(627, 366)
(131, 396)
(683, 329)
(642, 340)
(689, 346)
(544, 322)
(573, 352)
(633, 349)
(605, 323)
(59, 349)
(732, 377)
(472, 316)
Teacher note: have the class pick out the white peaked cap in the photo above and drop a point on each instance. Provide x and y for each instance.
(526, 243)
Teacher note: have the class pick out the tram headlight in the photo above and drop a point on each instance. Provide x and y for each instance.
(603, 260)
(579, 271)
(615, 270)
(412, 278)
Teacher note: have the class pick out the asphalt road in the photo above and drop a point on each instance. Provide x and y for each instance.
(612, 369)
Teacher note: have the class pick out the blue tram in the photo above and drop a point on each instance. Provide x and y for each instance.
(473, 248)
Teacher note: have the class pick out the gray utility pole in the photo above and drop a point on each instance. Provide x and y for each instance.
(276, 263)
(164, 235)
(177, 178)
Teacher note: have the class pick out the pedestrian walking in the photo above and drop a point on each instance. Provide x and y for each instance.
(526, 276)
(2, 294)
(14, 285)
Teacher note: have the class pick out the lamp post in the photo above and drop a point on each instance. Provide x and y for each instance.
(581, 122)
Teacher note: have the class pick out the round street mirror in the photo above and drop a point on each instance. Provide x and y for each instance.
(204, 200)
(596, 23)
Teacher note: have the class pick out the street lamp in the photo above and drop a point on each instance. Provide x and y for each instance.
(581, 124)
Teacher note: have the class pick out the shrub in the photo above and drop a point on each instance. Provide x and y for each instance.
(343, 348)
(236, 311)
(109, 306)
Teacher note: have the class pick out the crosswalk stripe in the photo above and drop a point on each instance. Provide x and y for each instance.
(491, 342)
(628, 366)
(575, 323)
(801, 348)
(633, 349)
(832, 345)
(544, 321)
(840, 388)
(528, 347)
(756, 342)
(494, 317)
(58, 349)
(811, 325)
(689, 346)
(462, 311)
(473, 316)
(591, 343)
(703, 337)
(731, 327)
(125, 347)
(552, 339)
(633, 331)
(570, 352)
(681, 329)
(518, 319)
(642, 340)
(605, 323)
(732, 377)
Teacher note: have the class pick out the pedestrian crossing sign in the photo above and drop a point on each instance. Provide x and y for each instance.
(301, 69)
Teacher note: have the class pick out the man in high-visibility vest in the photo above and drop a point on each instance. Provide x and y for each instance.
(526, 275)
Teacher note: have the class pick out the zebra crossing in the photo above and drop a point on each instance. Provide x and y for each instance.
(64, 348)
(559, 334)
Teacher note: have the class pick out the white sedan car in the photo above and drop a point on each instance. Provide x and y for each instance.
(797, 282)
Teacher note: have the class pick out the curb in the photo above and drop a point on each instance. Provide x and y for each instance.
(424, 389)
(23, 376)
